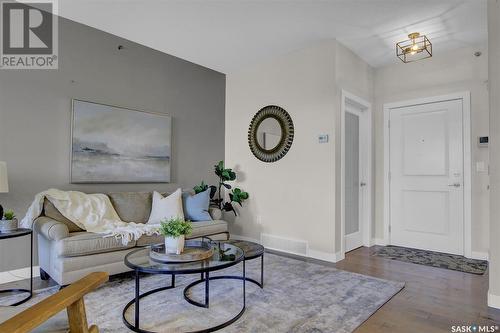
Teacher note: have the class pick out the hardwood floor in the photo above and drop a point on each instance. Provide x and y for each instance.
(433, 299)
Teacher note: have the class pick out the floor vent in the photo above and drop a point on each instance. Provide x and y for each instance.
(284, 244)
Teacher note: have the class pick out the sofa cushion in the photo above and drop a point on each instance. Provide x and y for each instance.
(132, 206)
(146, 240)
(205, 228)
(51, 211)
(85, 243)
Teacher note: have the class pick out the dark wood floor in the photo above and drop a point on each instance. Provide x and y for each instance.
(433, 299)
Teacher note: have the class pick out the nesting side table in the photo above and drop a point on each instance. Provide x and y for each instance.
(14, 234)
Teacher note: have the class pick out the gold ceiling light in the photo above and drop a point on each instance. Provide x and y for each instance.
(417, 47)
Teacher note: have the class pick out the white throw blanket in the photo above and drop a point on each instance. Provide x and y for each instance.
(91, 212)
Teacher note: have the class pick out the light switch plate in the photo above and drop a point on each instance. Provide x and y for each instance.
(323, 138)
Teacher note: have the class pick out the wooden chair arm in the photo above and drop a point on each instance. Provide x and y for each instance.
(70, 297)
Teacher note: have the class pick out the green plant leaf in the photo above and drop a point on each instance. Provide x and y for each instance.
(228, 207)
(213, 190)
(200, 188)
(175, 227)
(9, 214)
(225, 175)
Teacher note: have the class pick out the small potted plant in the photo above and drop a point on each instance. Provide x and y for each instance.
(8, 221)
(175, 231)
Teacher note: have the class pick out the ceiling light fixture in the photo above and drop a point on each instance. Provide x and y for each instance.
(417, 47)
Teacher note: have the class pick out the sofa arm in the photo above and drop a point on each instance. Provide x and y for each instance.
(215, 213)
(51, 229)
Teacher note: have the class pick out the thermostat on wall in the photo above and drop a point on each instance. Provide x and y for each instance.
(323, 138)
(482, 141)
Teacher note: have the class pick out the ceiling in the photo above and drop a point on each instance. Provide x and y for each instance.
(231, 34)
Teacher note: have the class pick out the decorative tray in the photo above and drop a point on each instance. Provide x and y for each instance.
(193, 251)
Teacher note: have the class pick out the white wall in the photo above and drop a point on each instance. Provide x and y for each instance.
(494, 79)
(354, 75)
(295, 196)
(456, 71)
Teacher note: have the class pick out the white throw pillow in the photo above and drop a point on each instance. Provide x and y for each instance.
(166, 208)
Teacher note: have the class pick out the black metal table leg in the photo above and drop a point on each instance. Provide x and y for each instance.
(244, 284)
(31, 265)
(262, 271)
(136, 299)
(173, 281)
(208, 278)
(207, 289)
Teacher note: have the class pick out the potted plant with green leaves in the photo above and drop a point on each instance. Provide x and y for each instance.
(8, 221)
(175, 231)
(217, 199)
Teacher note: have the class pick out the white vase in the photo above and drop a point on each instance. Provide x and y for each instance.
(8, 225)
(174, 245)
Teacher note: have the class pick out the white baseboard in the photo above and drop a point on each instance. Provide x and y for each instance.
(248, 239)
(18, 274)
(320, 255)
(325, 256)
(379, 241)
(479, 255)
(493, 301)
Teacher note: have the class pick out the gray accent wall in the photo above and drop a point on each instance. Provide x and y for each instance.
(35, 116)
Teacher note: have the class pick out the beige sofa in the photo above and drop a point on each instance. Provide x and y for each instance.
(67, 253)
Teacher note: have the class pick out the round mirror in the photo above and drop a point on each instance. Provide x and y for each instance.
(270, 135)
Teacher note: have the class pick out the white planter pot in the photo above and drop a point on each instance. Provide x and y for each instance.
(8, 225)
(174, 245)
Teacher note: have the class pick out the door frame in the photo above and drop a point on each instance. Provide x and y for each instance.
(366, 150)
(467, 167)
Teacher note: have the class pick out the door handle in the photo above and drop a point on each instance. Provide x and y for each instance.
(454, 184)
(362, 184)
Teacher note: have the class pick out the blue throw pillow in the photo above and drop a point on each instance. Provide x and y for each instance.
(196, 206)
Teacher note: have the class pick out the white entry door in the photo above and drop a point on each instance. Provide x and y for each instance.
(426, 177)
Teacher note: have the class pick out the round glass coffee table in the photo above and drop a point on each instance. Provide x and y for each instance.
(225, 255)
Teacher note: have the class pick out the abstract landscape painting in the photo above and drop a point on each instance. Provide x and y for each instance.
(118, 145)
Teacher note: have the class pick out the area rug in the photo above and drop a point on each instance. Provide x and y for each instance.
(297, 297)
(434, 259)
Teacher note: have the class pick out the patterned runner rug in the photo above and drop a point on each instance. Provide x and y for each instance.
(431, 258)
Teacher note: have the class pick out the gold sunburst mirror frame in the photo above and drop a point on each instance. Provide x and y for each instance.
(270, 134)
(417, 47)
